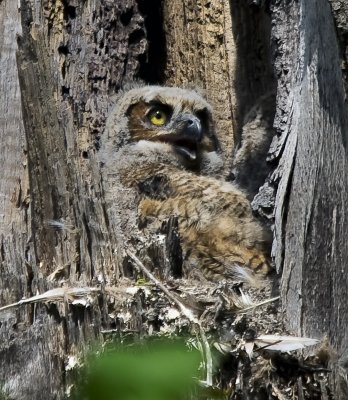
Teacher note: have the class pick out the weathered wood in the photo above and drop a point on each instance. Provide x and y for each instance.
(201, 54)
(18, 348)
(71, 56)
(310, 219)
(223, 48)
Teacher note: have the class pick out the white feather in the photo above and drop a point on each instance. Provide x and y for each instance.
(284, 343)
(245, 275)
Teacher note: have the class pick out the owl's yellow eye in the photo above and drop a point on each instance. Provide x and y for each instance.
(158, 117)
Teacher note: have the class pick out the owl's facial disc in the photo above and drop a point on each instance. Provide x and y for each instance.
(185, 127)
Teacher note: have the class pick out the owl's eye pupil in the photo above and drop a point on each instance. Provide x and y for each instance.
(157, 117)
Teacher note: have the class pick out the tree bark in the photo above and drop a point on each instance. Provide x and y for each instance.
(71, 58)
(311, 178)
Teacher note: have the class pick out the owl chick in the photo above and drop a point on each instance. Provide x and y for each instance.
(160, 142)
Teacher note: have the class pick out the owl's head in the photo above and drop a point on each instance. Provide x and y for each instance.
(179, 119)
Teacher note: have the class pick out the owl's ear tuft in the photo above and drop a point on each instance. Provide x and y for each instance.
(126, 87)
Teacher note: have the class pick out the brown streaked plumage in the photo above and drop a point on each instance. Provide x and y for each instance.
(163, 138)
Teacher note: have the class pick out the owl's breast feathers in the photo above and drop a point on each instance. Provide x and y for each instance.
(215, 220)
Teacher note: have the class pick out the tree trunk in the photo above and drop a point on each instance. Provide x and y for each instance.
(70, 58)
(56, 86)
(311, 225)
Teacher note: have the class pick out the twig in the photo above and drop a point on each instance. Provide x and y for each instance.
(186, 311)
(324, 395)
(277, 392)
(261, 303)
(208, 357)
(300, 389)
(57, 294)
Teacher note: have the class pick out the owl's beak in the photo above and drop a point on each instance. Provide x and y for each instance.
(190, 126)
(189, 134)
(187, 151)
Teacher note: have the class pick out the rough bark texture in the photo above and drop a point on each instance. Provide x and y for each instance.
(71, 57)
(15, 216)
(210, 63)
(310, 244)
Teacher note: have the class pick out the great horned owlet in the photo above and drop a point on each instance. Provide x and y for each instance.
(160, 144)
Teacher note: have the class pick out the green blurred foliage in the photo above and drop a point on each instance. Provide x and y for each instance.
(160, 370)
(4, 396)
